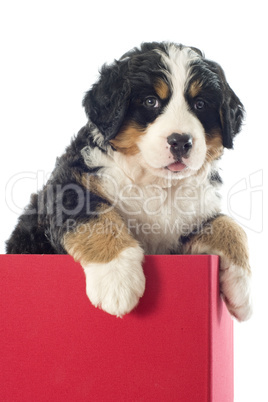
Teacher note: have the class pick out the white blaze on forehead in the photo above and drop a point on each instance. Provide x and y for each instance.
(176, 118)
(178, 63)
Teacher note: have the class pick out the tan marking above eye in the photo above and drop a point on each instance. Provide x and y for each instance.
(162, 89)
(195, 88)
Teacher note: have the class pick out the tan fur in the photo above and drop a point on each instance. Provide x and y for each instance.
(161, 89)
(214, 146)
(127, 138)
(99, 240)
(195, 88)
(225, 237)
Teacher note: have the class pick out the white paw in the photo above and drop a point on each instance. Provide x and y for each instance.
(116, 286)
(235, 288)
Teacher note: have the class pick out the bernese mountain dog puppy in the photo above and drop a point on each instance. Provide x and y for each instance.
(141, 178)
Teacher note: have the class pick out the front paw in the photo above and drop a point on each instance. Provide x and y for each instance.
(116, 286)
(235, 289)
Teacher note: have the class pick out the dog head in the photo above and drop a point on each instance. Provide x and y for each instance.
(167, 106)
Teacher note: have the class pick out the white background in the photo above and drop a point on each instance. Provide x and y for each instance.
(50, 55)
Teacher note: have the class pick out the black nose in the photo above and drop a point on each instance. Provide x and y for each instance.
(180, 144)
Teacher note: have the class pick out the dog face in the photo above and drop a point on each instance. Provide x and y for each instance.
(165, 107)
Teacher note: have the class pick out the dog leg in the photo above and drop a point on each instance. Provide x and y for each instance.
(112, 261)
(222, 236)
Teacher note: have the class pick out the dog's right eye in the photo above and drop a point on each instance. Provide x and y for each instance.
(151, 102)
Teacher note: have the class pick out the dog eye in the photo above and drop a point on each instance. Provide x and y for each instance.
(199, 104)
(151, 102)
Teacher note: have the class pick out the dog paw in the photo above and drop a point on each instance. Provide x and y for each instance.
(116, 286)
(235, 289)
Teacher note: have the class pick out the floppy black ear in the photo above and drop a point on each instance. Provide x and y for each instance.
(231, 109)
(231, 114)
(107, 102)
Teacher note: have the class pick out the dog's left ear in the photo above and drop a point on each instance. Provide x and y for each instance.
(107, 102)
(231, 114)
(231, 110)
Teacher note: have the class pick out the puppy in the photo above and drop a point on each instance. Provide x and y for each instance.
(142, 177)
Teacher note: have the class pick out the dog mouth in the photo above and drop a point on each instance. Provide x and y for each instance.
(177, 166)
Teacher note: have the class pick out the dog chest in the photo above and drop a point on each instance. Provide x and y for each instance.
(158, 216)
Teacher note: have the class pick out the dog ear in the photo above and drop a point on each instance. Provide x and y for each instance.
(107, 102)
(231, 115)
(231, 109)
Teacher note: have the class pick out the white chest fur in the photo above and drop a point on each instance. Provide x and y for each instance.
(156, 211)
(157, 216)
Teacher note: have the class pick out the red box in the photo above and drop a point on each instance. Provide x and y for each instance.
(177, 345)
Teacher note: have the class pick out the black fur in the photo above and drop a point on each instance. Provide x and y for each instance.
(121, 84)
(61, 202)
(106, 103)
